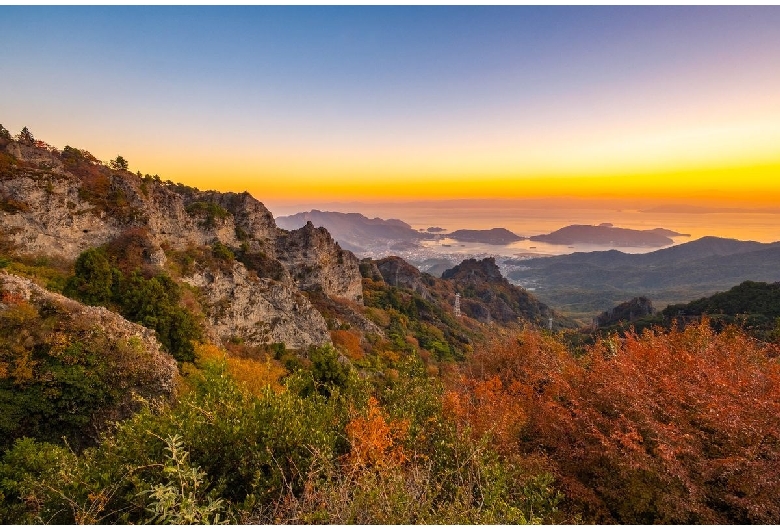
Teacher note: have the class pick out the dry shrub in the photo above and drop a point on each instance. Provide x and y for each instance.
(348, 343)
(488, 408)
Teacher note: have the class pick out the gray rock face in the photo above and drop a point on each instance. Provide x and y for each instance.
(45, 209)
(54, 220)
(38, 157)
(259, 310)
(396, 272)
(629, 311)
(58, 217)
(317, 262)
(472, 270)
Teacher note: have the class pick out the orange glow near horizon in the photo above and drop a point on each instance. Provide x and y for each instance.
(725, 163)
(755, 183)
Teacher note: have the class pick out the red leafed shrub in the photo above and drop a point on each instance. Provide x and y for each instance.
(487, 407)
(663, 427)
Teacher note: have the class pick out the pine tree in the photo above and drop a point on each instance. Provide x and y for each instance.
(25, 136)
(119, 163)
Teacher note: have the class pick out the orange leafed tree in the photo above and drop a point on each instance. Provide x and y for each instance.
(254, 375)
(375, 442)
(488, 408)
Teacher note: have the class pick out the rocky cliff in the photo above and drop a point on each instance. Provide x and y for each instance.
(316, 262)
(258, 310)
(398, 273)
(62, 203)
(626, 312)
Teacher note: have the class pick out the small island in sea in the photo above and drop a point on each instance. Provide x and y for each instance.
(494, 236)
(607, 234)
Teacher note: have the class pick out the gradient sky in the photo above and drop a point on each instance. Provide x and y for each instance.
(348, 103)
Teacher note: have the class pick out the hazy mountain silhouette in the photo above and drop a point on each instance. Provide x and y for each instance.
(353, 231)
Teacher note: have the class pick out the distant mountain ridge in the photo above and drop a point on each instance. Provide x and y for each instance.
(595, 281)
(353, 231)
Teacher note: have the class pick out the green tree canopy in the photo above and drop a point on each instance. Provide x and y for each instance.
(119, 163)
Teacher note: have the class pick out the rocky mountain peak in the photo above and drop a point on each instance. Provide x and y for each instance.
(398, 273)
(317, 263)
(472, 270)
(629, 311)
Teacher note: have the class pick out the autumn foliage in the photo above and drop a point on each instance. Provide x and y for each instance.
(347, 342)
(375, 440)
(663, 427)
(254, 375)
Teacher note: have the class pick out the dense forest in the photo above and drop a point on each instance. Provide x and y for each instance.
(117, 405)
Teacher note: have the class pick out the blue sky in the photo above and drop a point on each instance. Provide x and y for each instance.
(407, 94)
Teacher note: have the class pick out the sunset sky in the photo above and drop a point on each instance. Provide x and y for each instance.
(308, 104)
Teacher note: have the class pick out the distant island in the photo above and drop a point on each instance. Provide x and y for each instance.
(606, 234)
(494, 236)
(379, 237)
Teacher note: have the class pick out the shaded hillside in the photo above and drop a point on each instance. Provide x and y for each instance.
(587, 283)
(69, 370)
(353, 231)
(752, 305)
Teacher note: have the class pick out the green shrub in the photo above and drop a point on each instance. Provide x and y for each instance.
(152, 302)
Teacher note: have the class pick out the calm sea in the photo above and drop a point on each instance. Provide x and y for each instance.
(763, 227)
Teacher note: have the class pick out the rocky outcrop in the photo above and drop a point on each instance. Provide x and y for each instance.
(472, 270)
(398, 273)
(50, 217)
(36, 157)
(317, 263)
(487, 296)
(51, 204)
(259, 310)
(629, 311)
